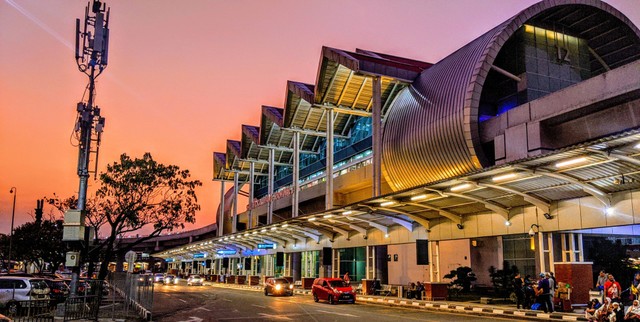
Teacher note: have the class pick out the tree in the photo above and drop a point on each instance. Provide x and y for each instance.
(502, 278)
(39, 244)
(135, 193)
(462, 278)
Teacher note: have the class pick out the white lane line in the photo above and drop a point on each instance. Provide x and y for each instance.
(276, 317)
(260, 306)
(228, 300)
(341, 314)
(183, 300)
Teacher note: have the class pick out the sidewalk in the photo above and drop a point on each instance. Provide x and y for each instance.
(504, 311)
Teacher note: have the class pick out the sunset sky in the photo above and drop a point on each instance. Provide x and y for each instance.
(184, 75)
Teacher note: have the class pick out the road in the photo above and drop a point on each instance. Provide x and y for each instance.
(183, 303)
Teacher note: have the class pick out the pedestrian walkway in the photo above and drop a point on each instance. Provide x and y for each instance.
(505, 311)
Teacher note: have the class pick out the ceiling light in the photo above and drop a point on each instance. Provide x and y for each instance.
(347, 213)
(507, 223)
(419, 197)
(285, 225)
(312, 219)
(386, 235)
(255, 232)
(327, 216)
(503, 177)
(274, 228)
(609, 210)
(571, 162)
(387, 203)
(246, 235)
(637, 146)
(263, 231)
(463, 186)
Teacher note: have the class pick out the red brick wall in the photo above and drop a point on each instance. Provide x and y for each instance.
(579, 276)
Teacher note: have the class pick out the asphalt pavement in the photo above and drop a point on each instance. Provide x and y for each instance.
(219, 302)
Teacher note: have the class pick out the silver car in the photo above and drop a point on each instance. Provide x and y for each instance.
(16, 289)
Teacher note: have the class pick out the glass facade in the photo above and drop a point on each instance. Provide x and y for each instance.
(310, 264)
(545, 60)
(517, 251)
(354, 261)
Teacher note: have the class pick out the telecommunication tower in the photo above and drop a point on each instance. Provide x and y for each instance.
(91, 54)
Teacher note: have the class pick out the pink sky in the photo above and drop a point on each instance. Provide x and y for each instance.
(184, 75)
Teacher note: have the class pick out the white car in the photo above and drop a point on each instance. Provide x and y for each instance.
(195, 280)
(170, 279)
(14, 289)
(158, 278)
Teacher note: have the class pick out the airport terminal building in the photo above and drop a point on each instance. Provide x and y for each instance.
(522, 146)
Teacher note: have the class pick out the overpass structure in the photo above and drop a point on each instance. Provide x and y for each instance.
(522, 146)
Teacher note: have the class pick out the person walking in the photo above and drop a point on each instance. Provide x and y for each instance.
(518, 288)
(544, 294)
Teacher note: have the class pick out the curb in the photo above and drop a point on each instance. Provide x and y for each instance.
(463, 308)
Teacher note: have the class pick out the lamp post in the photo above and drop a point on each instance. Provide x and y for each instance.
(14, 191)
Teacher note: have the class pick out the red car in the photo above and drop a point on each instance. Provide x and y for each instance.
(334, 290)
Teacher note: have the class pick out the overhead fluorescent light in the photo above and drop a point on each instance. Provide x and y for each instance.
(347, 213)
(263, 230)
(387, 203)
(274, 228)
(503, 177)
(571, 162)
(312, 219)
(327, 216)
(461, 187)
(419, 197)
(285, 225)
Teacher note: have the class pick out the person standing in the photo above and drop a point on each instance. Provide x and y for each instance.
(544, 294)
(635, 286)
(612, 289)
(602, 278)
(518, 288)
(346, 278)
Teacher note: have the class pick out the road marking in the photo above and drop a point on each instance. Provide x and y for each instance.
(183, 300)
(341, 314)
(193, 319)
(277, 317)
(260, 306)
(202, 308)
(227, 300)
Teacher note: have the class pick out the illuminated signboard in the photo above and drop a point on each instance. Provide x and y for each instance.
(226, 252)
(169, 260)
(266, 246)
(199, 255)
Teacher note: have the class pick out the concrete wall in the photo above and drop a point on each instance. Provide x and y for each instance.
(487, 252)
(405, 270)
(453, 254)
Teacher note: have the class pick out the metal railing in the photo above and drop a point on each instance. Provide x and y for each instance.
(137, 291)
(34, 310)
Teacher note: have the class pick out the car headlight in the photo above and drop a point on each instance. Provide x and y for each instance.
(278, 287)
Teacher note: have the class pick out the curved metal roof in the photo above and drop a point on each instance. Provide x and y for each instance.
(431, 132)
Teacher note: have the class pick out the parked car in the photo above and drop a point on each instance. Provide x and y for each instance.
(14, 289)
(58, 290)
(170, 279)
(278, 286)
(158, 278)
(333, 290)
(195, 280)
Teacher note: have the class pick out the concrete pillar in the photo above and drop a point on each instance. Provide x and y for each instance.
(270, 187)
(221, 214)
(329, 158)
(251, 192)
(376, 126)
(236, 187)
(296, 174)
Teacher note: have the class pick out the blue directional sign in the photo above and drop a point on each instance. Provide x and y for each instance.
(169, 260)
(199, 255)
(227, 252)
(266, 246)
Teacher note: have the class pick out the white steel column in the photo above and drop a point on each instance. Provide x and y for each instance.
(541, 251)
(221, 214)
(251, 184)
(296, 174)
(270, 186)
(580, 248)
(434, 254)
(235, 202)
(552, 260)
(328, 204)
(376, 127)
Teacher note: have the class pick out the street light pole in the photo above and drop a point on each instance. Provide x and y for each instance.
(14, 191)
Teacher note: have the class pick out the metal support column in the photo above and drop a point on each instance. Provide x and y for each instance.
(434, 253)
(221, 213)
(296, 174)
(236, 187)
(328, 204)
(376, 138)
(251, 192)
(270, 186)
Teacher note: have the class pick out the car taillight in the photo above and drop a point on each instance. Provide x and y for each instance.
(55, 290)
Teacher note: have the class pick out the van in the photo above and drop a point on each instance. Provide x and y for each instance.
(16, 291)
